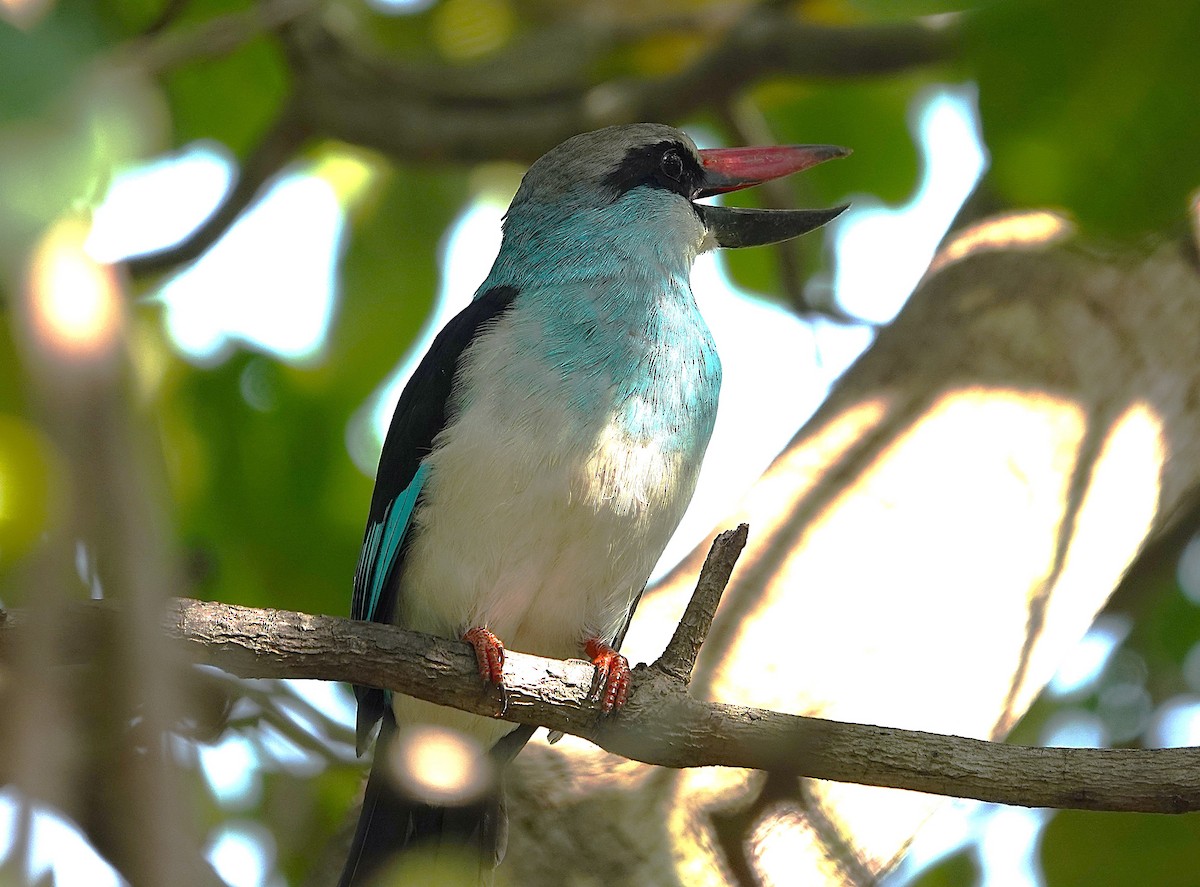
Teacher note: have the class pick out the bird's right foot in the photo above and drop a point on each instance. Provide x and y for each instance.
(614, 674)
(489, 654)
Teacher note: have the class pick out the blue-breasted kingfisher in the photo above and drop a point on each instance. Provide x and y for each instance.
(546, 447)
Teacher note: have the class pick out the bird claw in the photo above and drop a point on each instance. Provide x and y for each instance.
(489, 654)
(614, 674)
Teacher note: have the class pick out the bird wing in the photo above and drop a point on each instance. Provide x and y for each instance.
(420, 414)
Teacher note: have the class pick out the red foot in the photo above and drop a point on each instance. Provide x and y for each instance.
(614, 674)
(489, 653)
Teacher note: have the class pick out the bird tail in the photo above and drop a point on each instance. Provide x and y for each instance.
(394, 826)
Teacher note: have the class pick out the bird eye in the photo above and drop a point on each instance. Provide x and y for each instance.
(671, 165)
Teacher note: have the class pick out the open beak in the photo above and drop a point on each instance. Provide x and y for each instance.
(731, 169)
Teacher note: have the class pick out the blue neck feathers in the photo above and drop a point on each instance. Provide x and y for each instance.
(610, 313)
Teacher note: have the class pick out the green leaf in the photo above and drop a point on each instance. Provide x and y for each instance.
(38, 66)
(1092, 106)
(232, 98)
(255, 487)
(389, 274)
(1084, 849)
(953, 871)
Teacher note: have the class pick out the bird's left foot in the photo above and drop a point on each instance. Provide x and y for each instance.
(489, 653)
(614, 674)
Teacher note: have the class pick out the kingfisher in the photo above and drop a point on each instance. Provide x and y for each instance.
(543, 453)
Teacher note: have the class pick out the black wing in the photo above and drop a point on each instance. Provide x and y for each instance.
(420, 415)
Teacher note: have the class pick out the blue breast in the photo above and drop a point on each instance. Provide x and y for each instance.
(609, 309)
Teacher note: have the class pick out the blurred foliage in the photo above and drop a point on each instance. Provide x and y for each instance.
(251, 82)
(29, 472)
(43, 65)
(1090, 106)
(1120, 849)
(242, 114)
(955, 870)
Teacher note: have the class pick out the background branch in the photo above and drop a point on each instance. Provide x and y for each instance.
(515, 105)
(415, 113)
(161, 50)
(277, 146)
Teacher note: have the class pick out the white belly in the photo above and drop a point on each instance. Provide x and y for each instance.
(525, 529)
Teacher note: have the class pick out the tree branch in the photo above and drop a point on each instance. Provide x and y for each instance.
(160, 50)
(663, 724)
(509, 109)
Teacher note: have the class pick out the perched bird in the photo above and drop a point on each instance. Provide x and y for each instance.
(547, 445)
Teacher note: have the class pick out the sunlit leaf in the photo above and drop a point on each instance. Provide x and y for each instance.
(469, 29)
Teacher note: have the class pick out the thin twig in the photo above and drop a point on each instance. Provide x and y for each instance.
(679, 657)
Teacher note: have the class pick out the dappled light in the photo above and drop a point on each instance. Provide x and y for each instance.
(990, 474)
(783, 841)
(984, 471)
(802, 469)
(24, 13)
(856, 621)
(439, 765)
(1117, 506)
(1018, 230)
(799, 469)
(74, 302)
(695, 796)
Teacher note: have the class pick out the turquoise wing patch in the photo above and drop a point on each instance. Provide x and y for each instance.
(380, 552)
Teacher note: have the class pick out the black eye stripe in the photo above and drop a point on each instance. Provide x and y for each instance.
(649, 166)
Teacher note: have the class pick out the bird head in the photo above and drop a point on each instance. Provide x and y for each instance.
(645, 179)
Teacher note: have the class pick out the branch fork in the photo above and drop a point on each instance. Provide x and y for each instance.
(679, 658)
